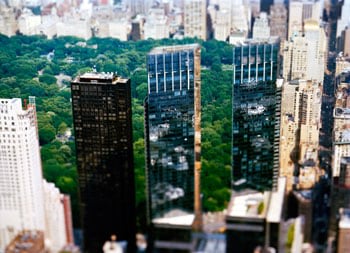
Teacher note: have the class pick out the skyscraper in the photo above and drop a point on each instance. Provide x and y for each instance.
(195, 19)
(172, 123)
(261, 28)
(300, 11)
(103, 135)
(21, 194)
(341, 122)
(278, 20)
(304, 56)
(301, 120)
(256, 109)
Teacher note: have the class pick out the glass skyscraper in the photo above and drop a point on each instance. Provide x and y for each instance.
(103, 136)
(172, 131)
(256, 115)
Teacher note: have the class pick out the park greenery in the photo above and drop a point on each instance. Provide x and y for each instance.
(36, 66)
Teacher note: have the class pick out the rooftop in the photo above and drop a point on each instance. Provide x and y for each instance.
(27, 241)
(344, 218)
(181, 220)
(175, 48)
(253, 204)
(100, 77)
(248, 203)
(270, 40)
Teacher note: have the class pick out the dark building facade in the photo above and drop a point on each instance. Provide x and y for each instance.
(103, 136)
(172, 131)
(256, 114)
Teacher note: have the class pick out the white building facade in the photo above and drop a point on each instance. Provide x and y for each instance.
(55, 236)
(21, 194)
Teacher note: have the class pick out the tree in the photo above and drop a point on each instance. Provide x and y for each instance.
(48, 79)
(46, 134)
(62, 128)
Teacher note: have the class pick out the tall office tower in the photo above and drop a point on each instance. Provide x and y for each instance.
(341, 123)
(21, 194)
(261, 28)
(256, 110)
(103, 136)
(172, 123)
(278, 21)
(195, 19)
(344, 19)
(304, 56)
(343, 42)
(300, 124)
(300, 11)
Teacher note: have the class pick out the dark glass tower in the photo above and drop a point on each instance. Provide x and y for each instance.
(256, 115)
(103, 136)
(172, 123)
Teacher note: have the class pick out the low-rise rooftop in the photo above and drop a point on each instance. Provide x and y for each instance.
(344, 218)
(174, 48)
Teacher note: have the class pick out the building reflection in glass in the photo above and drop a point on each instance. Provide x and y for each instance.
(170, 130)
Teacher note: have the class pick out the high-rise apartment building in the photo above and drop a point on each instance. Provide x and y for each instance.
(341, 122)
(139, 6)
(21, 194)
(195, 19)
(304, 56)
(300, 124)
(261, 28)
(172, 123)
(103, 135)
(256, 114)
(300, 11)
(222, 24)
(278, 21)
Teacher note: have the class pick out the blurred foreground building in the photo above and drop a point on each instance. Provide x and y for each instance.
(21, 193)
(27, 241)
(254, 218)
(343, 245)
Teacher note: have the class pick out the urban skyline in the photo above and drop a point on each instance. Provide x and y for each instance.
(226, 116)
